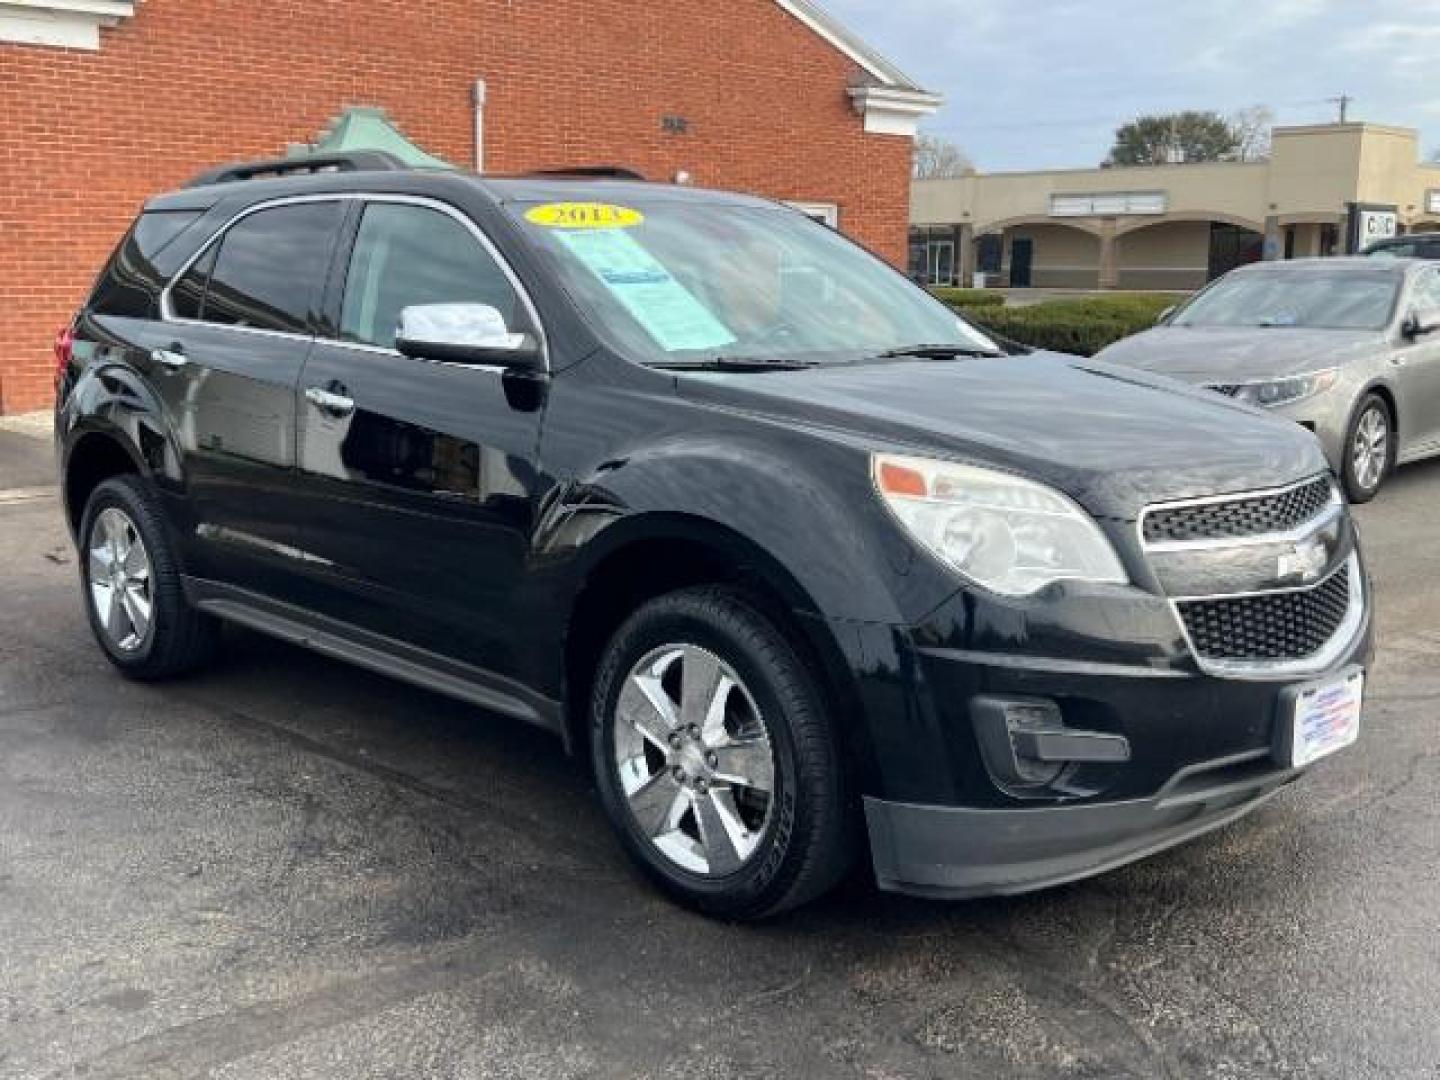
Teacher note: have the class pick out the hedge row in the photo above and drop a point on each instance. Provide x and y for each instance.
(970, 298)
(1082, 326)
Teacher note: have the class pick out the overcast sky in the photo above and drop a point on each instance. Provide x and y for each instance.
(1044, 83)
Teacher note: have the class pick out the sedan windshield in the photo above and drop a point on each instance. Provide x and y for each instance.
(1347, 300)
(679, 282)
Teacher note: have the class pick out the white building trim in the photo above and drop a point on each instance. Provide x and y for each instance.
(894, 104)
(890, 111)
(826, 25)
(67, 24)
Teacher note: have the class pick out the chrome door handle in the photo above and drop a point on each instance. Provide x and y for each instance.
(328, 402)
(169, 359)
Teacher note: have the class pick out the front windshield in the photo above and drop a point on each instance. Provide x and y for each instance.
(682, 280)
(1348, 300)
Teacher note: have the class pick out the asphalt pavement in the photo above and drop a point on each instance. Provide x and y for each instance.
(285, 867)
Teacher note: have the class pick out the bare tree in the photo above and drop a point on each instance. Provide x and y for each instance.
(1252, 132)
(939, 159)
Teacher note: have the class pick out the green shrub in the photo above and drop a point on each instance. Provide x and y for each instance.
(1082, 326)
(970, 298)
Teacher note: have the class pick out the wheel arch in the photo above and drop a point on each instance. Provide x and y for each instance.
(649, 555)
(94, 455)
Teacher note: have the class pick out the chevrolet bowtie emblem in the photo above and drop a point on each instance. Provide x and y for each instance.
(1306, 561)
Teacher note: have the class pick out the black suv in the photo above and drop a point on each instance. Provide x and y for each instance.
(791, 554)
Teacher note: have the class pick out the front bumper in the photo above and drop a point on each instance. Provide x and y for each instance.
(945, 851)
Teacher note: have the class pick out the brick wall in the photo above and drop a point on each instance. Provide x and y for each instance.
(188, 83)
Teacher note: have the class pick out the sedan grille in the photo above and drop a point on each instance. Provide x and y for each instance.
(1251, 515)
(1271, 626)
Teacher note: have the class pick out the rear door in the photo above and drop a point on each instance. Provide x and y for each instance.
(226, 356)
(420, 477)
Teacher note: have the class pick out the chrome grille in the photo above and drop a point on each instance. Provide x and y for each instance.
(1246, 516)
(1276, 626)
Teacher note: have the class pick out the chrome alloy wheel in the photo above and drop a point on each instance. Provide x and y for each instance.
(694, 759)
(120, 580)
(1370, 451)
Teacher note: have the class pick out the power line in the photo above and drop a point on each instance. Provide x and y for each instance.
(1109, 120)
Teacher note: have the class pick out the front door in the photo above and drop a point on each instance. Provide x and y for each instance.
(226, 358)
(942, 262)
(1417, 372)
(421, 475)
(1022, 256)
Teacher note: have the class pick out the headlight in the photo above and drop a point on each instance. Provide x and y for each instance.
(1286, 391)
(1010, 535)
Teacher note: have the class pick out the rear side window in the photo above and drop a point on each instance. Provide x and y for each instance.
(131, 284)
(406, 255)
(267, 272)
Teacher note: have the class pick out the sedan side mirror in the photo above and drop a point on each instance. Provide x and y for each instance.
(1164, 317)
(466, 333)
(1417, 326)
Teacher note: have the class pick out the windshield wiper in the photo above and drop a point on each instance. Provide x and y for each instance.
(936, 352)
(736, 363)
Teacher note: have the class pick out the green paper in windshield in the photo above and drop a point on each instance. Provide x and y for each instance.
(669, 312)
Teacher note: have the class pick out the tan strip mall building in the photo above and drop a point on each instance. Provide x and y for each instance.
(1325, 190)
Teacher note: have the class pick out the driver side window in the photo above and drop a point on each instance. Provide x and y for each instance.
(406, 255)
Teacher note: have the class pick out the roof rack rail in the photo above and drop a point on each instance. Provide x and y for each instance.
(353, 161)
(593, 172)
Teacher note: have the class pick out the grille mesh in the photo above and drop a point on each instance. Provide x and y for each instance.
(1254, 516)
(1274, 626)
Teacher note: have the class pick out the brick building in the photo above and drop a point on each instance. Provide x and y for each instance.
(104, 102)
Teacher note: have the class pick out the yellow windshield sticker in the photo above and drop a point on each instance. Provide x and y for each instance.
(584, 215)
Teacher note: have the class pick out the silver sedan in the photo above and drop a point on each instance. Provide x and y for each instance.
(1350, 348)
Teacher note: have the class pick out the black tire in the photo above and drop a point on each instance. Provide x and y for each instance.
(178, 638)
(808, 842)
(1358, 488)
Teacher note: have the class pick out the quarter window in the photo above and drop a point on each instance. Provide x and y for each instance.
(406, 255)
(267, 272)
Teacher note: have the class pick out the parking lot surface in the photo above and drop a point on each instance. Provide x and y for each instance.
(286, 867)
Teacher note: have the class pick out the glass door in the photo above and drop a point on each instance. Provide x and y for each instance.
(942, 262)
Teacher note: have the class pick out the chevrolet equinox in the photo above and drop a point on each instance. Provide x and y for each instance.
(801, 563)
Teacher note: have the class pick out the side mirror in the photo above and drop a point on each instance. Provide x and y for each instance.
(465, 333)
(1416, 326)
(1164, 317)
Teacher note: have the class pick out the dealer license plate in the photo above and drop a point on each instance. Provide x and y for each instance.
(1327, 718)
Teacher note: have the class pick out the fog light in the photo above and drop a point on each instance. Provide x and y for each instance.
(1027, 746)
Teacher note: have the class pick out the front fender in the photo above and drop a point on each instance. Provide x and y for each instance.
(803, 506)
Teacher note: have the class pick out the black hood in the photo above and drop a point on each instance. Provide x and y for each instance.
(1113, 438)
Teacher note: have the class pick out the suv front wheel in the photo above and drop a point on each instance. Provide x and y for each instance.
(715, 759)
(133, 593)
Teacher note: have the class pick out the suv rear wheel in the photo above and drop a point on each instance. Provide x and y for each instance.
(133, 593)
(714, 759)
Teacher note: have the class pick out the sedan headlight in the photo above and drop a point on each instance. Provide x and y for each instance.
(1011, 535)
(1287, 391)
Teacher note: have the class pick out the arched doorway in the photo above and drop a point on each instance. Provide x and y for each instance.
(1184, 253)
(1038, 253)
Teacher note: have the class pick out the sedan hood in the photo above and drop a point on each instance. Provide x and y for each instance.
(1113, 438)
(1203, 354)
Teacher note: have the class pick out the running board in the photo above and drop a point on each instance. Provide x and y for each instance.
(377, 653)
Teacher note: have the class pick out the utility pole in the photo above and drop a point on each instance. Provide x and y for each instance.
(1343, 101)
